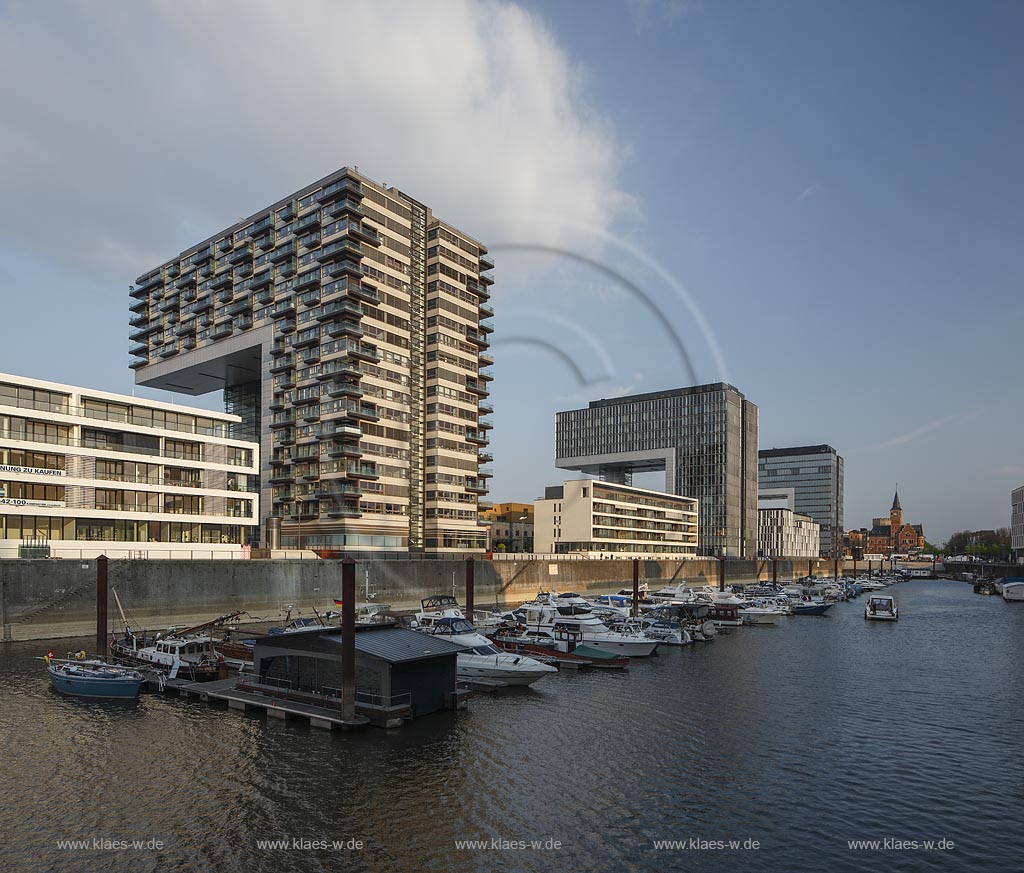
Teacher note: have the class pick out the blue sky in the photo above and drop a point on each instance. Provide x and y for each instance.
(821, 201)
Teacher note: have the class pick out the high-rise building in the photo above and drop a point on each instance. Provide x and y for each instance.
(348, 326)
(705, 440)
(1017, 521)
(85, 472)
(815, 475)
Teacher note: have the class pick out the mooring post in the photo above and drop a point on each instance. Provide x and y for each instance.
(348, 638)
(854, 568)
(810, 572)
(101, 605)
(636, 587)
(721, 572)
(775, 570)
(835, 568)
(470, 585)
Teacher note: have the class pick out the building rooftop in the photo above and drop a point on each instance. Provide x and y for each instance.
(393, 644)
(661, 395)
(796, 450)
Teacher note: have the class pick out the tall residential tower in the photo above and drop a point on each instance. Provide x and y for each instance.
(348, 327)
(703, 437)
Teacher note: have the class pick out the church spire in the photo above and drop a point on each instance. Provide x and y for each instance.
(896, 501)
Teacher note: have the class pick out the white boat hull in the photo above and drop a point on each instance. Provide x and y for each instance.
(627, 647)
(503, 668)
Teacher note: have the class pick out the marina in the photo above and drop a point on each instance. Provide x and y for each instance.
(942, 722)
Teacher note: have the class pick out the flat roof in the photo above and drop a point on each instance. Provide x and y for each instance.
(616, 485)
(61, 388)
(797, 450)
(396, 645)
(659, 395)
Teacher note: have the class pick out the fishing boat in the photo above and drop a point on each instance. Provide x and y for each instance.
(185, 654)
(80, 676)
(881, 607)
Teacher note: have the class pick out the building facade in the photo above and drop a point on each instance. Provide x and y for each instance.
(1017, 521)
(892, 535)
(348, 326)
(604, 519)
(84, 473)
(703, 437)
(509, 527)
(815, 474)
(782, 533)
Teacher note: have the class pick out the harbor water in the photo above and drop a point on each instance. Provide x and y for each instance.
(771, 748)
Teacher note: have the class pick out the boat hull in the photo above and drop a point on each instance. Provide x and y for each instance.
(126, 688)
(811, 609)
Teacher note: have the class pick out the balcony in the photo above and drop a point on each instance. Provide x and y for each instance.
(477, 387)
(311, 413)
(285, 327)
(485, 310)
(484, 472)
(282, 363)
(344, 328)
(308, 337)
(307, 222)
(347, 205)
(340, 308)
(261, 280)
(242, 253)
(364, 232)
(141, 351)
(285, 382)
(286, 213)
(139, 336)
(284, 438)
(344, 389)
(285, 251)
(485, 424)
(362, 471)
(185, 327)
(486, 375)
(169, 303)
(344, 187)
(283, 419)
(487, 279)
(311, 356)
(486, 262)
(221, 331)
(201, 257)
(309, 298)
(221, 280)
(476, 337)
(304, 510)
(476, 436)
(362, 291)
(339, 449)
(310, 241)
(485, 409)
(476, 486)
(140, 320)
(264, 297)
(282, 476)
(330, 432)
(343, 249)
(225, 245)
(284, 307)
(240, 306)
(343, 510)
(363, 351)
(308, 279)
(168, 351)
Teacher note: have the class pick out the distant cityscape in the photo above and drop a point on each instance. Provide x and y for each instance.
(348, 328)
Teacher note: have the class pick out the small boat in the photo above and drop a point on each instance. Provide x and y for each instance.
(81, 676)
(881, 607)
(725, 615)
(811, 607)
(563, 648)
(1012, 590)
(554, 618)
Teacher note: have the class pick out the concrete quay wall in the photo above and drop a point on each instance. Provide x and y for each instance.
(43, 599)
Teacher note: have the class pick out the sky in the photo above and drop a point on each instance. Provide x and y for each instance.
(818, 202)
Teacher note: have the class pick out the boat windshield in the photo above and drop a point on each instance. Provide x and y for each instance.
(454, 626)
(486, 650)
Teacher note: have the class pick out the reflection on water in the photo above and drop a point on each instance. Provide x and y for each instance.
(802, 736)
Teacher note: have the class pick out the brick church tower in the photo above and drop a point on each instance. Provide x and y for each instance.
(895, 520)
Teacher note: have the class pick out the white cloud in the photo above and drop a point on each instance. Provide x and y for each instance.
(909, 437)
(808, 191)
(135, 130)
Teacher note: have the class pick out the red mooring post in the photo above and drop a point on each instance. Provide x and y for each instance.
(101, 605)
(470, 583)
(636, 587)
(348, 638)
(721, 573)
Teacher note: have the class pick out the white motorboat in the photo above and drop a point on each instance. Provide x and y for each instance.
(540, 615)
(758, 615)
(683, 593)
(663, 623)
(604, 610)
(478, 658)
(881, 607)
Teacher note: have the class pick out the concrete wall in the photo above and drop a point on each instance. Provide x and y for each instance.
(48, 599)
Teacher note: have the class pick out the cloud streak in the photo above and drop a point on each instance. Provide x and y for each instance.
(909, 437)
(808, 191)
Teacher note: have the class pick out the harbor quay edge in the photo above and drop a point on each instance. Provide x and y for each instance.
(49, 599)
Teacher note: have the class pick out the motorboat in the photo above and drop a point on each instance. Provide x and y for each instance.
(725, 615)
(81, 676)
(683, 593)
(811, 607)
(1012, 590)
(759, 614)
(478, 657)
(602, 610)
(562, 647)
(881, 607)
(663, 623)
(539, 615)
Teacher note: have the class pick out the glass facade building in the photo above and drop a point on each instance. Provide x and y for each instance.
(348, 328)
(703, 437)
(815, 475)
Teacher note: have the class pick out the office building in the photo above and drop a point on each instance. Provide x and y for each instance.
(782, 533)
(705, 440)
(1017, 521)
(604, 519)
(348, 326)
(84, 473)
(815, 476)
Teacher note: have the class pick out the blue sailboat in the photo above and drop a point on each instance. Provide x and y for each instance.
(83, 677)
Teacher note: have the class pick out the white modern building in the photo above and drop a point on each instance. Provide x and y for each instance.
(84, 473)
(782, 533)
(1017, 522)
(602, 519)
